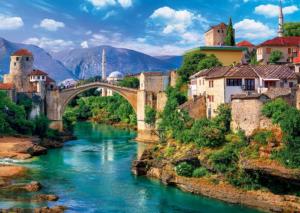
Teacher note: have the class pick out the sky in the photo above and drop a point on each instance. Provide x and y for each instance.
(155, 27)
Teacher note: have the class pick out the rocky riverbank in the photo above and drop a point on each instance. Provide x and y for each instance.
(215, 185)
(24, 148)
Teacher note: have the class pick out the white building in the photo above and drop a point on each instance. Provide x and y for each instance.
(220, 83)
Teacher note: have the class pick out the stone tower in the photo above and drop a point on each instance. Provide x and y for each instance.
(280, 20)
(103, 69)
(21, 63)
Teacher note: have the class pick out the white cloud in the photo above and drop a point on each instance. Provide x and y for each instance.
(84, 44)
(53, 45)
(50, 24)
(125, 3)
(180, 23)
(271, 10)
(253, 30)
(99, 4)
(10, 22)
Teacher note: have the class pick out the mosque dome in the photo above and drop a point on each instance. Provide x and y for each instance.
(116, 75)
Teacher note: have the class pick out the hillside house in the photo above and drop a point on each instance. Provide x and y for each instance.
(219, 84)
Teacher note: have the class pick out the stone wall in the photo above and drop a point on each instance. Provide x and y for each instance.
(196, 107)
(247, 116)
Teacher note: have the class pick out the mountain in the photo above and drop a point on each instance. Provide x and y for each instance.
(175, 61)
(86, 63)
(42, 60)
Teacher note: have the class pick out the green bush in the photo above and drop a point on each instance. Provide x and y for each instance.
(184, 169)
(225, 160)
(150, 115)
(41, 126)
(130, 82)
(262, 137)
(275, 109)
(200, 172)
(244, 180)
(170, 151)
(275, 56)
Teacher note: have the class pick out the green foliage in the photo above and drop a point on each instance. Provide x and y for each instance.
(184, 169)
(292, 29)
(230, 38)
(195, 61)
(223, 118)
(170, 151)
(200, 172)
(275, 56)
(263, 137)
(225, 160)
(244, 180)
(208, 62)
(110, 109)
(41, 126)
(150, 115)
(275, 109)
(130, 82)
(289, 120)
(26, 102)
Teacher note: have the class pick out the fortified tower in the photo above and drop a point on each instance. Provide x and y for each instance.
(21, 63)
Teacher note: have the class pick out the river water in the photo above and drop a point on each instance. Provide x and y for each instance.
(92, 174)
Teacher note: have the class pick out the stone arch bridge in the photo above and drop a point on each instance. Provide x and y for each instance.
(57, 101)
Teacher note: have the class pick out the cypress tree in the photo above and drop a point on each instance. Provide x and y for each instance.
(230, 39)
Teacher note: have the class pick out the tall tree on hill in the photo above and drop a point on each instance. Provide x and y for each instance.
(230, 39)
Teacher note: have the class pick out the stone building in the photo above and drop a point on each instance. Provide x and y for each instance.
(21, 63)
(219, 84)
(216, 35)
(24, 80)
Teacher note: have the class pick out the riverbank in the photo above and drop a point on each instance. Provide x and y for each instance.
(160, 162)
(23, 149)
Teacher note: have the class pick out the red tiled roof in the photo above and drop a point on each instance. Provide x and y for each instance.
(49, 80)
(6, 86)
(243, 71)
(245, 44)
(22, 52)
(37, 72)
(282, 41)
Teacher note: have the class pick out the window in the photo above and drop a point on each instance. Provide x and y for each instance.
(249, 84)
(233, 82)
(27, 58)
(17, 58)
(269, 50)
(211, 84)
(291, 84)
(15, 64)
(210, 98)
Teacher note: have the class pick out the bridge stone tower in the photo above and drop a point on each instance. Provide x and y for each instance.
(21, 64)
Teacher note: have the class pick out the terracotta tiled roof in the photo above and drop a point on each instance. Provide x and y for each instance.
(248, 71)
(275, 71)
(248, 96)
(22, 52)
(37, 72)
(245, 44)
(153, 73)
(49, 80)
(6, 86)
(278, 92)
(222, 25)
(282, 41)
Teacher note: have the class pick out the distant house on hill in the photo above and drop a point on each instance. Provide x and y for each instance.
(289, 46)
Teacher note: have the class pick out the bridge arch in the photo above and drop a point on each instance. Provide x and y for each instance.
(67, 95)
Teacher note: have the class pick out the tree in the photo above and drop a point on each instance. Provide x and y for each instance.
(150, 115)
(130, 82)
(195, 61)
(292, 29)
(209, 62)
(230, 38)
(41, 126)
(190, 64)
(275, 56)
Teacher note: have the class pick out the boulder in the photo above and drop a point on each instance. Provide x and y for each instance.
(54, 209)
(34, 186)
(46, 197)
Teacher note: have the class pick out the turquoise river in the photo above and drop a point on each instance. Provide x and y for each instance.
(92, 174)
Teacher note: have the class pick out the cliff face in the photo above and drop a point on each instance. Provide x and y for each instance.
(215, 186)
